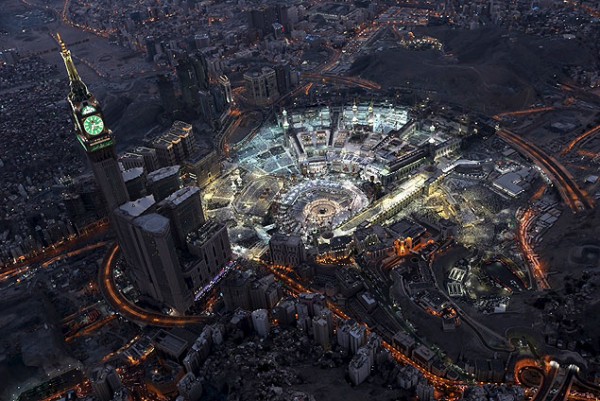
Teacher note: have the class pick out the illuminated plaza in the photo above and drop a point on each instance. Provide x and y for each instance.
(328, 169)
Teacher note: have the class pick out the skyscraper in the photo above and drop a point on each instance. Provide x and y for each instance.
(164, 181)
(150, 43)
(283, 76)
(211, 243)
(201, 70)
(155, 240)
(123, 226)
(148, 239)
(192, 72)
(184, 210)
(149, 248)
(97, 140)
(166, 91)
(188, 82)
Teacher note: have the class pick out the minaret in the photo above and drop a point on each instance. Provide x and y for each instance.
(285, 123)
(354, 113)
(97, 140)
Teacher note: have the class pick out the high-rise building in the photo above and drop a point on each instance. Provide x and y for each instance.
(188, 82)
(157, 249)
(166, 90)
(261, 20)
(141, 156)
(235, 289)
(135, 181)
(203, 167)
(359, 368)
(160, 269)
(184, 209)
(314, 303)
(190, 387)
(176, 145)
(343, 334)
(211, 243)
(285, 312)
(131, 160)
(262, 85)
(201, 70)
(260, 322)
(218, 99)
(321, 330)
(149, 248)
(150, 43)
(264, 292)
(97, 140)
(164, 181)
(105, 382)
(287, 16)
(283, 74)
(287, 250)
(206, 106)
(425, 392)
(358, 337)
(192, 71)
(123, 226)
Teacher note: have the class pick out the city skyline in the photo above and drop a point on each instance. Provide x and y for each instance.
(300, 200)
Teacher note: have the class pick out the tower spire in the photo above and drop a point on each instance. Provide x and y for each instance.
(79, 91)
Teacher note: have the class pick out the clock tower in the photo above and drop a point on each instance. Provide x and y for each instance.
(97, 140)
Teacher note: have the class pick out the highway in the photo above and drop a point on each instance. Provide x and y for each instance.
(571, 194)
(67, 248)
(92, 231)
(128, 309)
(565, 387)
(580, 140)
(582, 384)
(536, 267)
(548, 379)
(525, 364)
(341, 80)
(521, 113)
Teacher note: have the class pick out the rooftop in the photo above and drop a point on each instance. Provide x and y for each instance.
(132, 173)
(290, 240)
(170, 342)
(153, 222)
(137, 207)
(180, 196)
(205, 232)
(163, 173)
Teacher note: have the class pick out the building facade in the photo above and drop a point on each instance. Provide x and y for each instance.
(261, 86)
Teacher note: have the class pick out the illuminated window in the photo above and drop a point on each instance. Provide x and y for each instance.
(88, 110)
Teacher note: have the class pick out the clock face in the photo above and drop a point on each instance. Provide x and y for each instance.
(93, 125)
